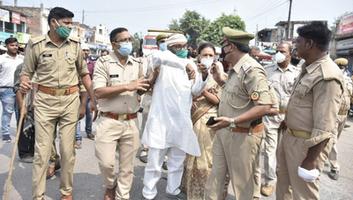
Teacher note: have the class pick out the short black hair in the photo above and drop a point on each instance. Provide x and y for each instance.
(318, 32)
(116, 32)
(59, 13)
(242, 47)
(10, 40)
(205, 45)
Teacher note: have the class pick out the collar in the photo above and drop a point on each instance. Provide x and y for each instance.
(313, 66)
(290, 68)
(115, 59)
(48, 40)
(240, 63)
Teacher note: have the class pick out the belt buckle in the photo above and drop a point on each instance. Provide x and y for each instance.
(122, 116)
(60, 92)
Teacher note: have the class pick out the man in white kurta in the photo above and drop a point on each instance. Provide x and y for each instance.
(169, 129)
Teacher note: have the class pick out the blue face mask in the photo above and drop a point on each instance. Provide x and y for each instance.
(163, 46)
(125, 48)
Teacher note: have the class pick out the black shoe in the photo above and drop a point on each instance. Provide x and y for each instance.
(90, 136)
(143, 155)
(164, 166)
(333, 174)
(180, 196)
(6, 138)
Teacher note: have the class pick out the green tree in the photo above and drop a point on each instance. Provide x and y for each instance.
(191, 23)
(213, 32)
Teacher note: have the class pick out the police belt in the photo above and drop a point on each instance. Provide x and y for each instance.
(58, 91)
(299, 134)
(119, 116)
(5, 87)
(256, 128)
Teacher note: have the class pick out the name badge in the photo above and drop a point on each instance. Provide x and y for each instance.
(114, 76)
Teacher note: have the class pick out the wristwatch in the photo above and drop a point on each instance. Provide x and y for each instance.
(232, 123)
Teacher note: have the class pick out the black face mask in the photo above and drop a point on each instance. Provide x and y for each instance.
(294, 61)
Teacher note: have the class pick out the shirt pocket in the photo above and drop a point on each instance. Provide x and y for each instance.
(303, 95)
(46, 62)
(235, 97)
(70, 60)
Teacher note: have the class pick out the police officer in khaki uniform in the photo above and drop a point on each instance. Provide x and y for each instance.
(311, 117)
(245, 99)
(57, 62)
(342, 117)
(117, 80)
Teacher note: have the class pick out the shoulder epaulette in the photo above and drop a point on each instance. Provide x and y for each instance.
(37, 39)
(75, 39)
(138, 60)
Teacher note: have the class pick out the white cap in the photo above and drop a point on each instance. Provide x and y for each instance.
(84, 46)
(176, 38)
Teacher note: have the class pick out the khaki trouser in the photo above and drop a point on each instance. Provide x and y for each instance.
(292, 151)
(120, 136)
(272, 131)
(235, 154)
(49, 111)
(341, 120)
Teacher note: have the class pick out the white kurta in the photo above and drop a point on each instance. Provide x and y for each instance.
(169, 121)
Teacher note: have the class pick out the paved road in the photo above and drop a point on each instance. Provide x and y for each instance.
(88, 183)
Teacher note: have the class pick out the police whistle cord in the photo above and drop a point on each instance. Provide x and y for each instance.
(8, 183)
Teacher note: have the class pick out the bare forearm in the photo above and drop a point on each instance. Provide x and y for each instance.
(213, 99)
(314, 151)
(87, 82)
(83, 98)
(254, 113)
(19, 99)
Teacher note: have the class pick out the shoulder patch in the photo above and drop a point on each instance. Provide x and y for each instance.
(255, 96)
(38, 39)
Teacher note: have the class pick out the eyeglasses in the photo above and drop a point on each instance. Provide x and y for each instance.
(124, 40)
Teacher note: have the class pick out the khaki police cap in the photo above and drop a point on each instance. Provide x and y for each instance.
(161, 37)
(234, 35)
(341, 61)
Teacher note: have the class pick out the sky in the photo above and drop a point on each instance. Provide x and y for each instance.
(140, 15)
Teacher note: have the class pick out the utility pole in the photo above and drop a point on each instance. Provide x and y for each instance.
(83, 16)
(288, 22)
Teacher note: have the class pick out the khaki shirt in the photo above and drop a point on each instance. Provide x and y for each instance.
(245, 88)
(282, 81)
(55, 66)
(315, 100)
(110, 72)
(348, 91)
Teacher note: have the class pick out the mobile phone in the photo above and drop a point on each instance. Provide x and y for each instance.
(211, 121)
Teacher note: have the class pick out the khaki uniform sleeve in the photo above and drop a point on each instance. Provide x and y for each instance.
(100, 75)
(30, 61)
(327, 95)
(257, 87)
(81, 64)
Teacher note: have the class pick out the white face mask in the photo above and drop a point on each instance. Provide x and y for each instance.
(207, 61)
(279, 57)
